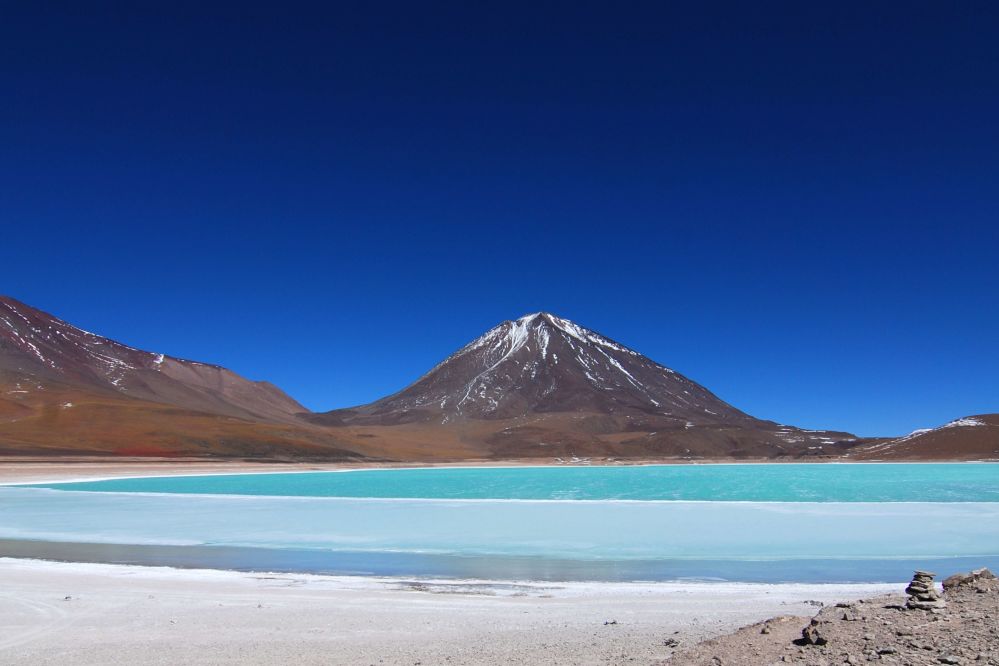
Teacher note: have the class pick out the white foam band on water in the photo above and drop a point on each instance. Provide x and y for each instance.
(572, 529)
(59, 488)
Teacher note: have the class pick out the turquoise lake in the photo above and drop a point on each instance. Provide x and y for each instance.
(766, 523)
(717, 483)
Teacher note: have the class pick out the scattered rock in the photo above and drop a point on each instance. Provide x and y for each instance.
(811, 634)
(968, 578)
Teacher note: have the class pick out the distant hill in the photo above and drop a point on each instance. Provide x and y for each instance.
(967, 438)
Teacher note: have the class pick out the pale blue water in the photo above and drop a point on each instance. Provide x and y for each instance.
(715, 483)
(814, 523)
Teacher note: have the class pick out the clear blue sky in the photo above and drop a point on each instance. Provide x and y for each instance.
(795, 204)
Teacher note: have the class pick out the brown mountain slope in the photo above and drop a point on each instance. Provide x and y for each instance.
(66, 391)
(37, 345)
(543, 386)
(968, 438)
(59, 419)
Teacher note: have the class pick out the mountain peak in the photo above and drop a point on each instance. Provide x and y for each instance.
(541, 325)
(542, 318)
(541, 363)
(544, 385)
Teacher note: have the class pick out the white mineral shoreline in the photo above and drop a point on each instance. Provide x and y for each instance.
(112, 614)
(14, 472)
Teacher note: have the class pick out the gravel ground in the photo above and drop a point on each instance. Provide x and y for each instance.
(881, 630)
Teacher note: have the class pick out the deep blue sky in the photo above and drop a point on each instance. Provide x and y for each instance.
(796, 205)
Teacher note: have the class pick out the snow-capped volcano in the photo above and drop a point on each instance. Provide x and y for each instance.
(543, 385)
(541, 363)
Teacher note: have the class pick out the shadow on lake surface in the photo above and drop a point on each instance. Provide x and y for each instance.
(423, 565)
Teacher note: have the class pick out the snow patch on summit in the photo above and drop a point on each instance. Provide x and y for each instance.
(964, 423)
(525, 362)
(585, 335)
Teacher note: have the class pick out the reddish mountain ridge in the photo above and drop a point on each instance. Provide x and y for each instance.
(65, 391)
(35, 345)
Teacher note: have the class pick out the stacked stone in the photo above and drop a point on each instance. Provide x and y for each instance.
(922, 593)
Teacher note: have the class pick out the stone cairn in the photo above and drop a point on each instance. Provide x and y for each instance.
(922, 593)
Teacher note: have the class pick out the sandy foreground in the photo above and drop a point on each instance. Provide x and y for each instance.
(110, 614)
(59, 613)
